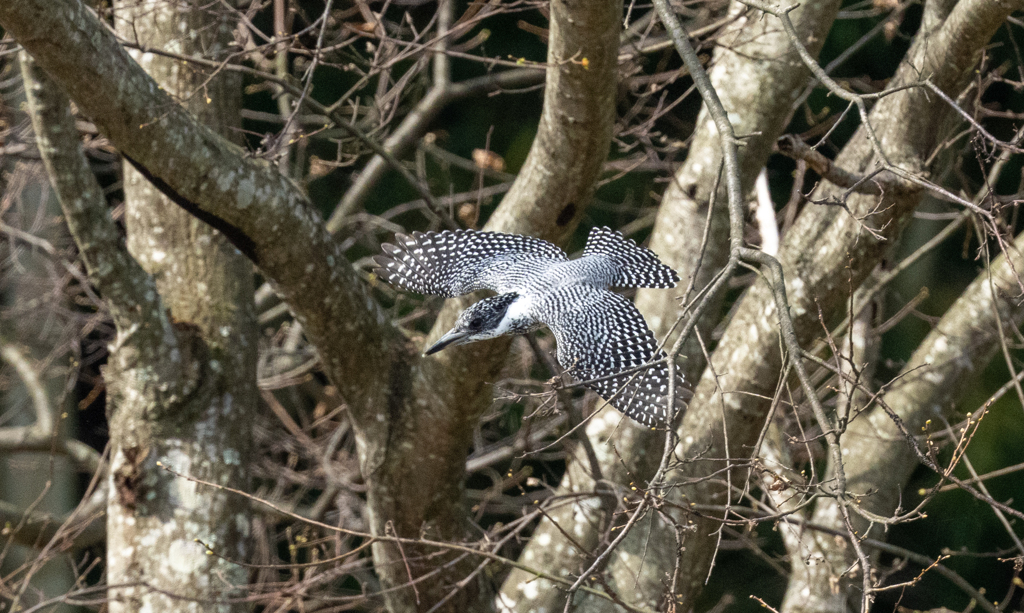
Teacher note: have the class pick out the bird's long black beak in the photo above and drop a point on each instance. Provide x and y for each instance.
(451, 338)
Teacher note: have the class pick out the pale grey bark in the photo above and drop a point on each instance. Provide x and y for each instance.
(758, 77)
(160, 525)
(878, 459)
(178, 392)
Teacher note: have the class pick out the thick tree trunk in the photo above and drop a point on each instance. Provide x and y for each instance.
(159, 524)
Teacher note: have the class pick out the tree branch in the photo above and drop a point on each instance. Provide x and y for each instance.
(234, 191)
(822, 255)
(691, 235)
(129, 291)
(877, 457)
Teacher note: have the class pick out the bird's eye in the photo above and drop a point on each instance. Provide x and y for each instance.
(476, 322)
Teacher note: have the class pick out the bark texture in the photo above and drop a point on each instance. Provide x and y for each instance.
(878, 459)
(452, 389)
(207, 286)
(179, 393)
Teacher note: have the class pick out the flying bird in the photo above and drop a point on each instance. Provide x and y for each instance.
(602, 338)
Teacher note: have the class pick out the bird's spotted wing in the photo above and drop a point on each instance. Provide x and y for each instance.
(633, 265)
(600, 334)
(456, 262)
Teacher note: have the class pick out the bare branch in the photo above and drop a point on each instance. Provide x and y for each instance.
(249, 201)
(691, 235)
(42, 428)
(877, 457)
(129, 291)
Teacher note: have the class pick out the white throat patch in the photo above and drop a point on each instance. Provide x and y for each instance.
(517, 311)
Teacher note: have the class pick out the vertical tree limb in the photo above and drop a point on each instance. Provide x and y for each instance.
(207, 286)
(877, 457)
(547, 200)
(824, 255)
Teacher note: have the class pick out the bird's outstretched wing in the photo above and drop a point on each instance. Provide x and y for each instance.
(456, 262)
(600, 334)
(634, 266)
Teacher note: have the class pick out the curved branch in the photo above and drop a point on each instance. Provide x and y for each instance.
(42, 428)
(245, 198)
(41, 435)
(129, 291)
(85, 526)
(415, 124)
(450, 390)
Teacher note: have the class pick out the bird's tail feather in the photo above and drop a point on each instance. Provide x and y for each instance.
(636, 266)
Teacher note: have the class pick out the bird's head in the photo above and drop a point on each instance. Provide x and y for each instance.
(485, 319)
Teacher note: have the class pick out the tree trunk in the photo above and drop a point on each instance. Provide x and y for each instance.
(160, 524)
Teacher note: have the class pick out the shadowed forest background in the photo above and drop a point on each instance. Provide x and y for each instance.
(208, 402)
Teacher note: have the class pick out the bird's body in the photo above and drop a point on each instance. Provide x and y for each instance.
(602, 339)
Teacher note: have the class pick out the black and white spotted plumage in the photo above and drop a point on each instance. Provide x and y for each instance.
(601, 334)
(635, 266)
(602, 338)
(457, 262)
